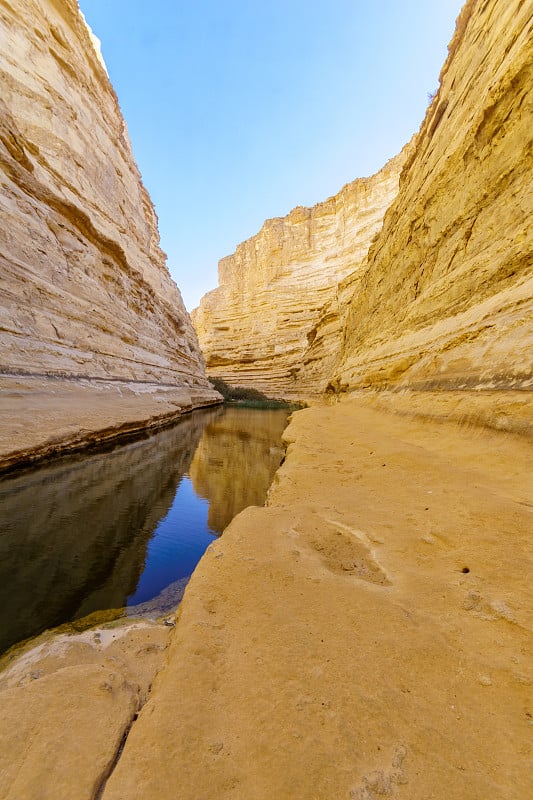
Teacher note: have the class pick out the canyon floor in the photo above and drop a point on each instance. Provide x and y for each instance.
(366, 634)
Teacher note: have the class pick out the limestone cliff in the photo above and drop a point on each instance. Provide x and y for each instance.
(281, 285)
(85, 288)
(367, 633)
(446, 296)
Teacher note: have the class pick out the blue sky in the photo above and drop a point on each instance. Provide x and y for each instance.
(239, 110)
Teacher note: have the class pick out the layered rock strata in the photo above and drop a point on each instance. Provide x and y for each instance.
(367, 634)
(281, 285)
(42, 417)
(446, 296)
(86, 293)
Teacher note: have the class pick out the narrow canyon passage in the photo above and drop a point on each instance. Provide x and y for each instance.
(365, 631)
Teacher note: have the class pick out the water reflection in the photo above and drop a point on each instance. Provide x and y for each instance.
(235, 461)
(128, 525)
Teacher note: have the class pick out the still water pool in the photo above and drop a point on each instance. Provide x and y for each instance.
(126, 528)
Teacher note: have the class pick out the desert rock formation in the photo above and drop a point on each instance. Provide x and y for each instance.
(366, 635)
(67, 702)
(444, 295)
(281, 286)
(86, 293)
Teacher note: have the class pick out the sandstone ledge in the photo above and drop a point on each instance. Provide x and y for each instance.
(365, 634)
(42, 416)
(68, 701)
(331, 644)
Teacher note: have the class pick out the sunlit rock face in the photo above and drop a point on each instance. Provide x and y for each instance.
(443, 295)
(85, 287)
(273, 322)
(446, 296)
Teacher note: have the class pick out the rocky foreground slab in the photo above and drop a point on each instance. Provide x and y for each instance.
(367, 634)
(42, 417)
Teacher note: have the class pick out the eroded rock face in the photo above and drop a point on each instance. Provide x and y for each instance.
(85, 287)
(282, 286)
(443, 297)
(446, 297)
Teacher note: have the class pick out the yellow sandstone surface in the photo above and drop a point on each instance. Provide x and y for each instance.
(366, 634)
(86, 294)
(67, 703)
(41, 417)
(282, 285)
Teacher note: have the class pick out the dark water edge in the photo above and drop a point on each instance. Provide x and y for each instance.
(126, 528)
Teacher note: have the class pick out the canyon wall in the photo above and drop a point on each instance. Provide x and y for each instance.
(282, 286)
(86, 293)
(440, 293)
(446, 296)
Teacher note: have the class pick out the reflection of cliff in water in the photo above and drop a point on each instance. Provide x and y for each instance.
(73, 535)
(236, 460)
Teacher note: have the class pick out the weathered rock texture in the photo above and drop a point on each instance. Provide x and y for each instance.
(365, 635)
(85, 288)
(444, 296)
(68, 701)
(281, 286)
(368, 633)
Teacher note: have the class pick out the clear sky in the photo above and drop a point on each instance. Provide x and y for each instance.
(239, 110)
